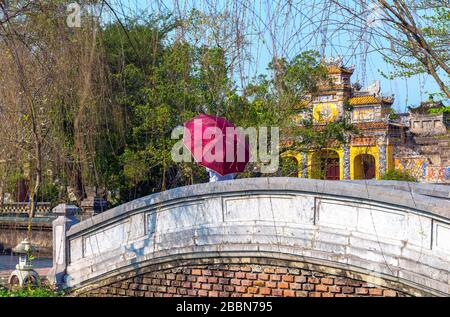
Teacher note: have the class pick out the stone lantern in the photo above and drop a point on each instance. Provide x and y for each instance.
(24, 273)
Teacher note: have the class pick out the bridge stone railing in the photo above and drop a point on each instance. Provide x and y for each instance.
(387, 233)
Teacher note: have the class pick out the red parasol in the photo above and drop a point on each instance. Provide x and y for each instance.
(215, 143)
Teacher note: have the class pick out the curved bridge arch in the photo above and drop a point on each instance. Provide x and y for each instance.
(389, 237)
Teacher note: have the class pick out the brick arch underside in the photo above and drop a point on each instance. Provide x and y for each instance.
(243, 277)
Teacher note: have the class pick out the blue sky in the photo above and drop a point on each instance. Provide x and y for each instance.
(271, 31)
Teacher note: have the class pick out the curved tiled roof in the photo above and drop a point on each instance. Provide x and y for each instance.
(368, 100)
(333, 69)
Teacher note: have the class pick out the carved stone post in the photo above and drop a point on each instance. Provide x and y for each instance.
(61, 225)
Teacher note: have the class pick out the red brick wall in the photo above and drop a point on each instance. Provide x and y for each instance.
(230, 280)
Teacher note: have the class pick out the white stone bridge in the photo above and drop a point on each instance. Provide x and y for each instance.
(393, 235)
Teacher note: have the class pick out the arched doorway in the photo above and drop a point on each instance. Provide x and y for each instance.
(325, 165)
(364, 165)
(288, 166)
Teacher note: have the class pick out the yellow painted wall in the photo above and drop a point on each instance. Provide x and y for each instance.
(357, 150)
(298, 158)
(340, 153)
(354, 151)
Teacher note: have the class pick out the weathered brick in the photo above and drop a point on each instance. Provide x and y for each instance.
(180, 277)
(334, 289)
(143, 287)
(271, 284)
(283, 285)
(247, 295)
(182, 291)
(224, 281)
(165, 282)
(170, 276)
(241, 289)
(327, 295)
(340, 281)
(315, 294)
(196, 285)
(213, 280)
(228, 274)
(252, 290)
(376, 292)
(239, 275)
(259, 283)
(246, 268)
(313, 280)
(300, 279)
(301, 294)
(228, 288)
(251, 276)
(196, 272)
(293, 271)
(207, 286)
(191, 278)
(172, 290)
(213, 294)
(160, 275)
(288, 293)
(176, 283)
(218, 273)
(277, 292)
(192, 292)
(224, 294)
(202, 292)
(281, 270)
(235, 281)
(217, 287)
(186, 284)
(361, 291)
(162, 289)
(308, 287)
(246, 283)
(264, 291)
(321, 288)
(269, 270)
(389, 293)
(288, 278)
(263, 276)
(274, 277)
(207, 272)
(347, 290)
(354, 283)
(326, 281)
(202, 279)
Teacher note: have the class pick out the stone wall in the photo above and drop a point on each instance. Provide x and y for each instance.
(241, 280)
(12, 232)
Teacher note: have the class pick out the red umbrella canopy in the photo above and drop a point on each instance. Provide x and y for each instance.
(215, 143)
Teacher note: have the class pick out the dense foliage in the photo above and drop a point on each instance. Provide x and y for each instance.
(399, 175)
(102, 112)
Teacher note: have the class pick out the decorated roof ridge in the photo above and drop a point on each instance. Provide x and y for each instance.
(425, 106)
